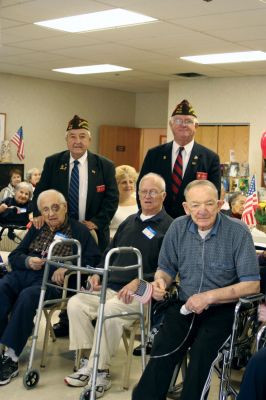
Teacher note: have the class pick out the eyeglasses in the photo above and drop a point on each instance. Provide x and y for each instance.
(208, 205)
(151, 193)
(54, 209)
(184, 122)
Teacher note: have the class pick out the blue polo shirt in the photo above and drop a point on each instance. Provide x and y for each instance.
(224, 257)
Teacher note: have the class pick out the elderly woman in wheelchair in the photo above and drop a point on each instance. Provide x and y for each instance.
(17, 210)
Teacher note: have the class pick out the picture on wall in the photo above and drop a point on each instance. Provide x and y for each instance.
(2, 126)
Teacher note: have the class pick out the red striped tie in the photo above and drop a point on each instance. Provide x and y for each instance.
(177, 173)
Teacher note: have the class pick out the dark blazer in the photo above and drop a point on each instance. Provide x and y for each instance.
(102, 194)
(159, 160)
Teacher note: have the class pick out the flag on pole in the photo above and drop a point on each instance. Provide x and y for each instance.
(17, 139)
(250, 204)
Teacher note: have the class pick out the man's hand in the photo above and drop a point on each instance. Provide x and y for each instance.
(38, 222)
(36, 263)
(262, 312)
(125, 294)
(95, 281)
(159, 286)
(90, 225)
(197, 303)
(59, 276)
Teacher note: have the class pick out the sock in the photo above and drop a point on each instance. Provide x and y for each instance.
(11, 353)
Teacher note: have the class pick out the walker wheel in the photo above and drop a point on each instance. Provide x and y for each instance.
(85, 394)
(31, 378)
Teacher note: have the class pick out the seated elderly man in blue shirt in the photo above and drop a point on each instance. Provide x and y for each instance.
(215, 259)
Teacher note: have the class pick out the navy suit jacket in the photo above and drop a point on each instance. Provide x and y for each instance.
(102, 193)
(159, 160)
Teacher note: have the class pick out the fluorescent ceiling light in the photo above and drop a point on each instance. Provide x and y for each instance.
(92, 69)
(223, 58)
(114, 18)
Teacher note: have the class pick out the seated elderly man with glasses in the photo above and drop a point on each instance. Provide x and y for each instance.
(20, 289)
(144, 230)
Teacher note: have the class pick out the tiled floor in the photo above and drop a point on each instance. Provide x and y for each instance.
(60, 363)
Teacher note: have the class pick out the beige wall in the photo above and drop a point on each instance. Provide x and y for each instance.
(44, 107)
(151, 110)
(227, 100)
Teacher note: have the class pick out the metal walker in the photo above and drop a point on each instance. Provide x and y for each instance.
(90, 393)
(32, 376)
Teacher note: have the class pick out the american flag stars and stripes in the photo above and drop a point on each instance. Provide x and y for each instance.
(144, 292)
(17, 139)
(250, 204)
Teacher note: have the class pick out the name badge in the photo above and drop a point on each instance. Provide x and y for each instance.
(149, 232)
(21, 210)
(60, 236)
(202, 175)
(100, 188)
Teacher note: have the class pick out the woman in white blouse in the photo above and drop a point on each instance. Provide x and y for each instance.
(126, 177)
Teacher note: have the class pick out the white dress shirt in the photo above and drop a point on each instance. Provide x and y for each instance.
(185, 154)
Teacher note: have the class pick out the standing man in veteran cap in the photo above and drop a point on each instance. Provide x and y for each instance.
(86, 180)
(88, 183)
(182, 160)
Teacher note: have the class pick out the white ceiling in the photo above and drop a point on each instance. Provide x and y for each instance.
(185, 27)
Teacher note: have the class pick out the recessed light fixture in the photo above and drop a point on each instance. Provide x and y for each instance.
(107, 19)
(224, 58)
(92, 69)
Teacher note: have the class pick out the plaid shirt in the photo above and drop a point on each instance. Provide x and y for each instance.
(45, 237)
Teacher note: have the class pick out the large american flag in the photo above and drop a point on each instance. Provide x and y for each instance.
(17, 139)
(250, 204)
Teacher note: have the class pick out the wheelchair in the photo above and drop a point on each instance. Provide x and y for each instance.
(11, 236)
(235, 353)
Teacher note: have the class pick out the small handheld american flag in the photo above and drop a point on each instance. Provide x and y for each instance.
(144, 292)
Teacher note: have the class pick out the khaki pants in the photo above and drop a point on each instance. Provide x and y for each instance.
(82, 309)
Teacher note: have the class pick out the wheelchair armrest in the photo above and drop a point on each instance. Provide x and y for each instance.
(252, 298)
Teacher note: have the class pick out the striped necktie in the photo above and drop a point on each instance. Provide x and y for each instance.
(73, 193)
(177, 174)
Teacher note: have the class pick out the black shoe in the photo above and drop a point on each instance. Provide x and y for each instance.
(60, 330)
(8, 369)
(137, 350)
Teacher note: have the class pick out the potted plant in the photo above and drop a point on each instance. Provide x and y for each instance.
(260, 215)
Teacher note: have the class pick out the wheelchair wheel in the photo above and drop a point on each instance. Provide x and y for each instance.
(85, 394)
(31, 378)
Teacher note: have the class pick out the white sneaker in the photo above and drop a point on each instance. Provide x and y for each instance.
(103, 383)
(81, 377)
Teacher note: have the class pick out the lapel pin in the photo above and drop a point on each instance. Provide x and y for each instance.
(164, 157)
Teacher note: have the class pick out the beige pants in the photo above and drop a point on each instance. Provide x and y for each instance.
(82, 309)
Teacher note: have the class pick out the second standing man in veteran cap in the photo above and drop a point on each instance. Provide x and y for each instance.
(182, 160)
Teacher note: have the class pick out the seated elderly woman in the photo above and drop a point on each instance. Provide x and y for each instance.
(236, 203)
(126, 177)
(15, 176)
(33, 176)
(17, 210)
